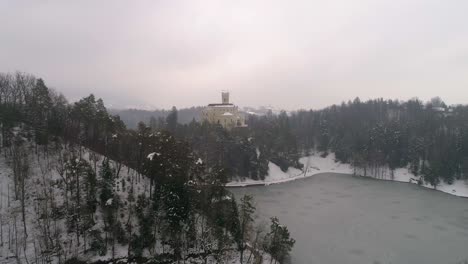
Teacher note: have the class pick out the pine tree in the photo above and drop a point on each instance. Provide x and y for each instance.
(246, 210)
(171, 120)
(279, 242)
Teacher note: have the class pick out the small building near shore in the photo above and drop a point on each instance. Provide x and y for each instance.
(225, 113)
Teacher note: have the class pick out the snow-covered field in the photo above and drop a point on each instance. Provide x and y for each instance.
(315, 164)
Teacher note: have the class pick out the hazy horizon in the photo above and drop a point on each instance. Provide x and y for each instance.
(295, 55)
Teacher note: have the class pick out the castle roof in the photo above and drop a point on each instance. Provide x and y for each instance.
(221, 105)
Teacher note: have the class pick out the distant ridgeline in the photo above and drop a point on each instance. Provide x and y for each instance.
(156, 119)
(225, 113)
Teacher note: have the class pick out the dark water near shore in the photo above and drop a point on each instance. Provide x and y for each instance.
(337, 218)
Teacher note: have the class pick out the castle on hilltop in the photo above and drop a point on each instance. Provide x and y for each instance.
(225, 113)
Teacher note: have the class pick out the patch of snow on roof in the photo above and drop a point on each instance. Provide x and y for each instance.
(227, 114)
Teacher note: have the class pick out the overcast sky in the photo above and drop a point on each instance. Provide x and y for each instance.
(287, 54)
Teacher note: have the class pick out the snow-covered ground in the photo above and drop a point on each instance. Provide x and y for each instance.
(314, 164)
(16, 247)
(458, 187)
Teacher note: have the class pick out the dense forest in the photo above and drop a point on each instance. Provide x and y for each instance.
(241, 152)
(431, 139)
(78, 186)
(375, 137)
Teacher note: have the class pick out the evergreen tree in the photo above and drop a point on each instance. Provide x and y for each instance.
(246, 210)
(171, 120)
(279, 242)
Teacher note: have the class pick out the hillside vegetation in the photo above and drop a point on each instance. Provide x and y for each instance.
(78, 186)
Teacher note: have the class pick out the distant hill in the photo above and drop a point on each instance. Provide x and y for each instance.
(131, 117)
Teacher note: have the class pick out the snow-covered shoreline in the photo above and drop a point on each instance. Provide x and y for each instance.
(315, 164)
(457, 188)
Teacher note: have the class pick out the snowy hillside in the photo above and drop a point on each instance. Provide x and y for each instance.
(61, 201)
(46, 236)
(44, 187)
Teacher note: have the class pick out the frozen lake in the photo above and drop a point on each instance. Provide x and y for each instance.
(338, 218)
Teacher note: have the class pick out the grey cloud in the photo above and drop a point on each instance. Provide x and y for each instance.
(290, 54)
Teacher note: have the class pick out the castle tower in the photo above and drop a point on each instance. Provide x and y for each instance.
(225, 97)
(225, 114)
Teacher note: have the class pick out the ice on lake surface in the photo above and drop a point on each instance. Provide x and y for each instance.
(338, 218)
